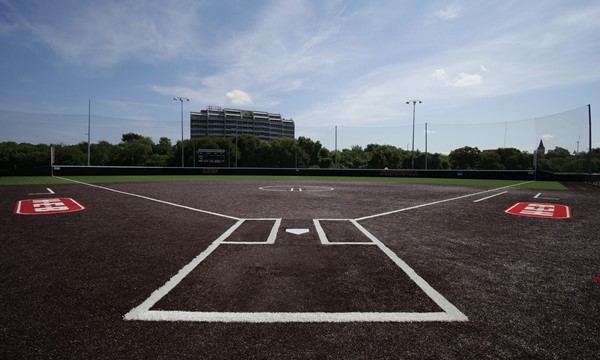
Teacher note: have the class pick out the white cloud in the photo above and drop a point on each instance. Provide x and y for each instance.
(450, 12)
(466, 80)
(547, 137)
(440, 74)
(238, 97)
(103, 34)
(462, 80)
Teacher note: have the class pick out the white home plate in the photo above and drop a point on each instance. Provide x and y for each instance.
(297, 231)
(296, 188)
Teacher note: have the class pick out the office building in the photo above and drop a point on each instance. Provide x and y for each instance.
(217, 121)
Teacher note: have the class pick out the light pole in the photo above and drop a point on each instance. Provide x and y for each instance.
(414, 102)
(181, 99)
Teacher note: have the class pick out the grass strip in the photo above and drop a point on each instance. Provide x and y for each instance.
(48, 180)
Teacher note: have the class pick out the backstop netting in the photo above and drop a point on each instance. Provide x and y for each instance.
(569, 130)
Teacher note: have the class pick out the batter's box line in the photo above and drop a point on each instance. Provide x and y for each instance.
(143, 312)
(270, 239)
(325, 241)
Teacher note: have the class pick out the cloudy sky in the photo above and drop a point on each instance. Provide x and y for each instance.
(351, 64)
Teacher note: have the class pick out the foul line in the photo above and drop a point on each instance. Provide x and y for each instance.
(151, 199)
(489, 197)
(439, 202)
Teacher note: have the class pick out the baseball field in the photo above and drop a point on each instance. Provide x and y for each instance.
(297, 268)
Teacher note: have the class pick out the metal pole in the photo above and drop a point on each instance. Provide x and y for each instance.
(182, 157)
(425, 146)
(336, 154)
(590, 148)
(88, 133)
(577, 157)
(414, 102)
(181, 99)
(412, 145)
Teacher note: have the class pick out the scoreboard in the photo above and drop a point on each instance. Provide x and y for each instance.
(210, 157)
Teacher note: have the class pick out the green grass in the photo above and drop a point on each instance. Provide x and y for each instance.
(47, 180)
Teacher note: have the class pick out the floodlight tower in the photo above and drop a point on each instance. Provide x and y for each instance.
(181, 99)
(414, 102)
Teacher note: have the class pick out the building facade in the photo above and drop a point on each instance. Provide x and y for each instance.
(217, 121)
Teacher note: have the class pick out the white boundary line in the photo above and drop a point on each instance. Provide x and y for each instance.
(489, 197)
(270, 239)
(537, 196)
(438, 202)
(450, 312)
(143, 312)
(151, 199)
(50, 192)
(325, 241)
(183, 272)
(309, 188)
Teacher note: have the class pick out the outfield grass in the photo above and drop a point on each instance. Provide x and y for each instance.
(48, 180)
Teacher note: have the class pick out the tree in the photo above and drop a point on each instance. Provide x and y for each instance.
(354, 158)
(490, 160)
(8, 155)
(310, 148)
(465, 158)
(384, 156)
(325, 159)
(287, 153)
(164, 147)
(133, 150)
(69, 155)
(248, 146)
(101, 153)
(438, 161)
(514, 159)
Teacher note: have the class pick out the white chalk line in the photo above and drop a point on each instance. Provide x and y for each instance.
(489, 197)
(50, 192)
(537, 196)
(325, 241)
(151, 199)
(143, 312)
(270, 239)
(291, 317)
(158, 294)
(451, 310)
(449, 313)
(438, 202)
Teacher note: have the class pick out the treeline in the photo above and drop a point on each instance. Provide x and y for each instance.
(250, 151)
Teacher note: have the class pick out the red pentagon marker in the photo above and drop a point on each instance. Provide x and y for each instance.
(47, 206)
(539, 210)
(595, 277)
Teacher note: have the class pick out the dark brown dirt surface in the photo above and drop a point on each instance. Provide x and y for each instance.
(526, 284)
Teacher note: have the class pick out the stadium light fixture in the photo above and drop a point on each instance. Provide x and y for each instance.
(414, 102)
(181, 99)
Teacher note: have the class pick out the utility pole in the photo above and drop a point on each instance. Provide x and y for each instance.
(88, 133)
(414, 102)
(181, 99)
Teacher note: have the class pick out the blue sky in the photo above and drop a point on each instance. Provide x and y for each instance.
(351, 64)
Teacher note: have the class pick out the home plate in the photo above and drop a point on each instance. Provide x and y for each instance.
(297, 231)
